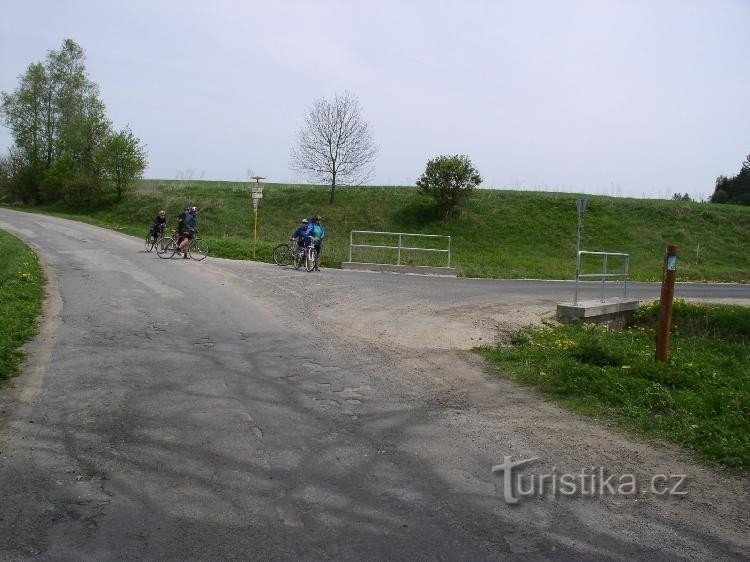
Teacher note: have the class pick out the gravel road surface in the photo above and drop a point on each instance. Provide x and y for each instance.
(172, 409)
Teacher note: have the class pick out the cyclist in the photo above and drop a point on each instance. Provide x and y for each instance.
(316, 233)
(188, 228)
(180, 224)
(299, 234)
(160, 223)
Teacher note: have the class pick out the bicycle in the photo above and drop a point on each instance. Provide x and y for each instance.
(167, 247)
(310, 254)
(283, 254)
(152, 240)
(288, 253)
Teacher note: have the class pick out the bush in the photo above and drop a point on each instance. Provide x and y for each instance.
(449, 180)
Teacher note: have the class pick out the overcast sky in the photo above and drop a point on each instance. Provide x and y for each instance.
(620, 97)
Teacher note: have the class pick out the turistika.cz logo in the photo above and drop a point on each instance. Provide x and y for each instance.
(589, 481)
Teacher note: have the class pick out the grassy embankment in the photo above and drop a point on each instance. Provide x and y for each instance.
(699, 399)
(505, 234)
(22, 290)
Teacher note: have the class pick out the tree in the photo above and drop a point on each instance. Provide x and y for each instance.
(335, 146)
(736, 189)
(6, 173)
(80, 118)
(122, 160)
(24, 113)
(449, 180)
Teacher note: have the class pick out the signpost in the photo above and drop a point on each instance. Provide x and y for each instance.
(665, 304)
(257, 194)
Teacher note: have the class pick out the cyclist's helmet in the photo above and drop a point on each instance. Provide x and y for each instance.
(305, 221)
(193, 210)
(162, 213)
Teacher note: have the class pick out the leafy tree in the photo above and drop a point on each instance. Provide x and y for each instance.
(335, 145)
(449, 180)
(59, 125)
(5, 175)
(25, 112)
(122, 160)
(736, 189)
(70, 182)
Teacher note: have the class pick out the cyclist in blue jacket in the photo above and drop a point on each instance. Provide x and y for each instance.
(189, 229)
(316, 233)
(299, 234)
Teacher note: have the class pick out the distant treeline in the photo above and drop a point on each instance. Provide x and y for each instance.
(734, 190)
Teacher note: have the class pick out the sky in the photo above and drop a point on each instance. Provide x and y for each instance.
(615, 97)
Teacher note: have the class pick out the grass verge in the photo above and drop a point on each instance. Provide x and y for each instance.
(699, 399)
(502, 234)
(22, 289)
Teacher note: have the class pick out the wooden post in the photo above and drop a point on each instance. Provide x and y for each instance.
(665, 304)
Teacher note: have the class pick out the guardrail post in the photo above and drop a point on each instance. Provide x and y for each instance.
(578, 272)
(627, 271)
(604, 278)
(398, 258)
(449, 251)
(351, 241)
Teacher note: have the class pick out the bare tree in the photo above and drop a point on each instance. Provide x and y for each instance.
(335, 146)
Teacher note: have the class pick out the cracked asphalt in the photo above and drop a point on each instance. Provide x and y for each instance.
(172, 409)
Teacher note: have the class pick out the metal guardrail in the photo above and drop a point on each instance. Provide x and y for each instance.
(400, 245)
(605, 274)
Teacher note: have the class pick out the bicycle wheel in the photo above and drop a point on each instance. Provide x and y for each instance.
(298, 258)
(166, 248)
(198, 249)
(161, 243)
(310, 255)
(281, 255)
(150, 241)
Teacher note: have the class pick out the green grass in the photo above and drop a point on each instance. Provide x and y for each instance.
(503, 234)
(22, 290)
(699, 399)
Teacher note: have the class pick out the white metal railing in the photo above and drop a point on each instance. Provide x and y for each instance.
(400, 246)
(605, 274)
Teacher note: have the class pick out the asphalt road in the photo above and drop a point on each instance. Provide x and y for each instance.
(231, 410)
